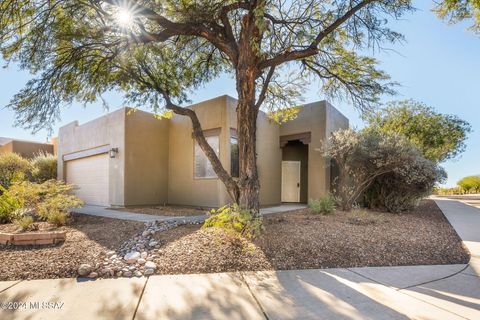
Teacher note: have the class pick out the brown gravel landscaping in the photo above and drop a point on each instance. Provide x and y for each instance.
(293, 240)
(87, 237)
(171, 211)
(301, 240)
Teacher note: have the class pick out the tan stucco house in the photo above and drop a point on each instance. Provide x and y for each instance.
(27, 149)
(131, 158)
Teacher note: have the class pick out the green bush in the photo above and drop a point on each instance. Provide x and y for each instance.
(44, 167)
(232, 219)
(8, 206)
(24, 222)
(13, 166)
(50, 201)
(324, 205)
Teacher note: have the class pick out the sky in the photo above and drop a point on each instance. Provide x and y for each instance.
(439, 64)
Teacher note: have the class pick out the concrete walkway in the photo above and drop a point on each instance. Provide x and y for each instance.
(415, 292)
(133, 216)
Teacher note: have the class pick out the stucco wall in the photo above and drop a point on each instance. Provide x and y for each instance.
(183, 188)
(106, 130)
(26, 149)
(312, 118)
(146, 159)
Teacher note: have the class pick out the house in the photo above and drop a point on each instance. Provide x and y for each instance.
(129, 157)
(27, 149)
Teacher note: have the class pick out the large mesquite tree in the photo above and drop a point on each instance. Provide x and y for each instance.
(156, 52)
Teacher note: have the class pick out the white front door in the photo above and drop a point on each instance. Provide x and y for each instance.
(290, 181)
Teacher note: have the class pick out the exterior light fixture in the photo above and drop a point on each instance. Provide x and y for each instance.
(112, 152)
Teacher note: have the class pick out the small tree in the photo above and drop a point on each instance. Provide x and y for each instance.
(439, 137)
(44, 167)
(470, 184)
(362, 157)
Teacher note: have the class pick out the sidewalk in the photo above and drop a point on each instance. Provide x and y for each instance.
(414, 292)
(140, 217)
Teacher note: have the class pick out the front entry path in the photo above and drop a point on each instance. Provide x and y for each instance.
(133, 216)
(412, 292)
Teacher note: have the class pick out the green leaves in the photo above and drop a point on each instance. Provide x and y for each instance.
(458, 10)
(440, 137)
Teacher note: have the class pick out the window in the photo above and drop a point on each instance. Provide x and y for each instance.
(234, 166)
(203, 167)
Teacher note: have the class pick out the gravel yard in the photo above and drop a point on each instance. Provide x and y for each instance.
(171, 211)
(87, 237)
(302, 240)
(293, 240)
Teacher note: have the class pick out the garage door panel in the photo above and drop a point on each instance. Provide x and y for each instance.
(90, 176)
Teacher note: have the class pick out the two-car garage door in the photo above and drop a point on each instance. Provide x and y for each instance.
(90, 176)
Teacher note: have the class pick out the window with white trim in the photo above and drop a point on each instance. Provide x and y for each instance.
(203, 167)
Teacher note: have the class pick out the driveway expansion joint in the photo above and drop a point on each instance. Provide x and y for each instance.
(14, 284)
(254, 297)
(140, 298)
(442, 278)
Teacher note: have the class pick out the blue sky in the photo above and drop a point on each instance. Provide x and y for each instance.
(439, 64)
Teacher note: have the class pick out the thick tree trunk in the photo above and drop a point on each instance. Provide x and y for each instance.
(247, 111)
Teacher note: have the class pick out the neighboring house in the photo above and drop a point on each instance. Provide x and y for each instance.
(27, 149)
(131, 158)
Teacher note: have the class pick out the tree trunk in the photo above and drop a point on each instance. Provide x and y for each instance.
(247, 111)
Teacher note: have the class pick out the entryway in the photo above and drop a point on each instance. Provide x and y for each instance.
(295, 172)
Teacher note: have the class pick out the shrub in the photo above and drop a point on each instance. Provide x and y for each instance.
(232, 219)
(44, 167)
(12, 166)
(403, 188)
(8, 206)
(324, 205)
(47, 200)
(362, 156)
(24, 222)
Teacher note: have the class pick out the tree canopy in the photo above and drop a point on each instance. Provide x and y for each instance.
(156, 53)
(458, 10)
(470, 184)
(440, 137)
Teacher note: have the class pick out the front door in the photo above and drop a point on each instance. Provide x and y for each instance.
(290, 181)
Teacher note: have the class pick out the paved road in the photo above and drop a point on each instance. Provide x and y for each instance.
(416, 292)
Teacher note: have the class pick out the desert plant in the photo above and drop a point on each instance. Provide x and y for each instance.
(324, 205)
(404, 187)
(12, 166)
(24, 222)
(57, 218)
(8, 206)
(46, 200)
(232, 219)
(44, 167)
(362, 156)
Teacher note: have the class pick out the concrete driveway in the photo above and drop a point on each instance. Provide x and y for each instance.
(413, 292)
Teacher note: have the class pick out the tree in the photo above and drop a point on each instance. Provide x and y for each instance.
(470, 184)
(157, 52)
(440, 137)
(362, 157)
(459, 10)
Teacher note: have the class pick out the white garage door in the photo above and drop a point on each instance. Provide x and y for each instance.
(90, 176)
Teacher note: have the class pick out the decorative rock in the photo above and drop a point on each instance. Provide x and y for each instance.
(93, 275)
(137, 273)
(149, 272)
(127, 274)
(150, 265)
(84, 270)
(144, 255)
(132, 257)
(145, 233)
(152, 243)
(110, 254)
(141, 261)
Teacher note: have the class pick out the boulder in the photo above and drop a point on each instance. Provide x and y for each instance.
(150, 265)
(132, 257)
(84, 270)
